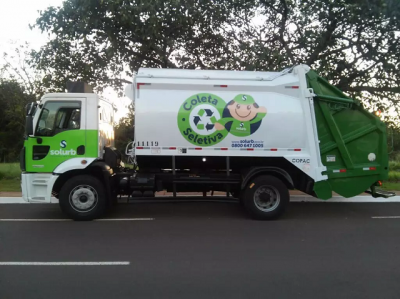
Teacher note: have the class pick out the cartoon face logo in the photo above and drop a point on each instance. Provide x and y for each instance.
(242, 116)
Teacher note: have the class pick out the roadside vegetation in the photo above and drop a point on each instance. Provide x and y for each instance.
(10, 180)
(393, 183)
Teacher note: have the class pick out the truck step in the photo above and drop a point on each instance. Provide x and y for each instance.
(186, 181)
(376, 192)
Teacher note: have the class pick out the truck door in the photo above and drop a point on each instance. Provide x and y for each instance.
(59, 135)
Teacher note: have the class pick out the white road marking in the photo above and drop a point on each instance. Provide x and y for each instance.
(64, 263)
(293, 198)
(124, 219)
(385, 217)
(50, 220)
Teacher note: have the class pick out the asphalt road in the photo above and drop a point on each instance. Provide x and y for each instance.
(203, 250)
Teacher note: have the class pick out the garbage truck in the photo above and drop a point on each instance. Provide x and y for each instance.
(252, 134)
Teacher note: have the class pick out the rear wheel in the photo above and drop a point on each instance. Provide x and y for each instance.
(265, 197)
(83, 198)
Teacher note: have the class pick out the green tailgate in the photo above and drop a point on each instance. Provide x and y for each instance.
(352, 142)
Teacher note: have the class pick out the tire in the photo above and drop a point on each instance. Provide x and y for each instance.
(265, 197)
(83, 198)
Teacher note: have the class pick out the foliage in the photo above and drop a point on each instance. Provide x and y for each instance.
(394, 176)
(391, 186)
(10, 177)
(10, 170)
(124, 130)
(394, 166)
(393, 136)
(355, 44)
(16, 66)
(10, 185)
(13, 99)
(98, 40)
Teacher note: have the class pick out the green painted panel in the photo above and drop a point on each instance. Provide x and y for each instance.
(352, 142)
(54, 150)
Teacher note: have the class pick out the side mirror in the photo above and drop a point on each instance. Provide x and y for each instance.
(28, 108)
(29, 125)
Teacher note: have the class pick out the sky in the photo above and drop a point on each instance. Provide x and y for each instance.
(15, 18)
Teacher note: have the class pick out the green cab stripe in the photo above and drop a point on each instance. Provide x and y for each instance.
(54, 150)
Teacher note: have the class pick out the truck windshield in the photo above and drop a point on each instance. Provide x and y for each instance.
(56, 117)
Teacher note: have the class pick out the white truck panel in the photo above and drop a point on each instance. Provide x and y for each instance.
(188, 112)
(156, 120)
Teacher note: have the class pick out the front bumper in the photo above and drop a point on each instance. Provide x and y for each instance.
(37, 187)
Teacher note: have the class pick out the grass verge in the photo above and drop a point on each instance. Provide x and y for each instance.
(10, 171)
(10, 177)
(391, 186)
(10, 185)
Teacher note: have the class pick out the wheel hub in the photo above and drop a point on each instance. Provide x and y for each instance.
(83, 198)
(266, 198)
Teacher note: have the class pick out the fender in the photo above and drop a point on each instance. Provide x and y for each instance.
(96, 168)
(254, 171)
(73, 164)
(107, 173)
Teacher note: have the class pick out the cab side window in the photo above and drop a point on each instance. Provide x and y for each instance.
(57, 117)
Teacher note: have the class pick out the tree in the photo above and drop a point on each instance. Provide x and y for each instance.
(354, 43)
(99, 41)
(20, 84)
(124, 130)
(13, 99)
(16, 66)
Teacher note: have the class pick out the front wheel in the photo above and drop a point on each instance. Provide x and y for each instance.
(266, 197)
(83, 198)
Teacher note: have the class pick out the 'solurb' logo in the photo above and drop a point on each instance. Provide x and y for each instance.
(205, 119)
(61, 152)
